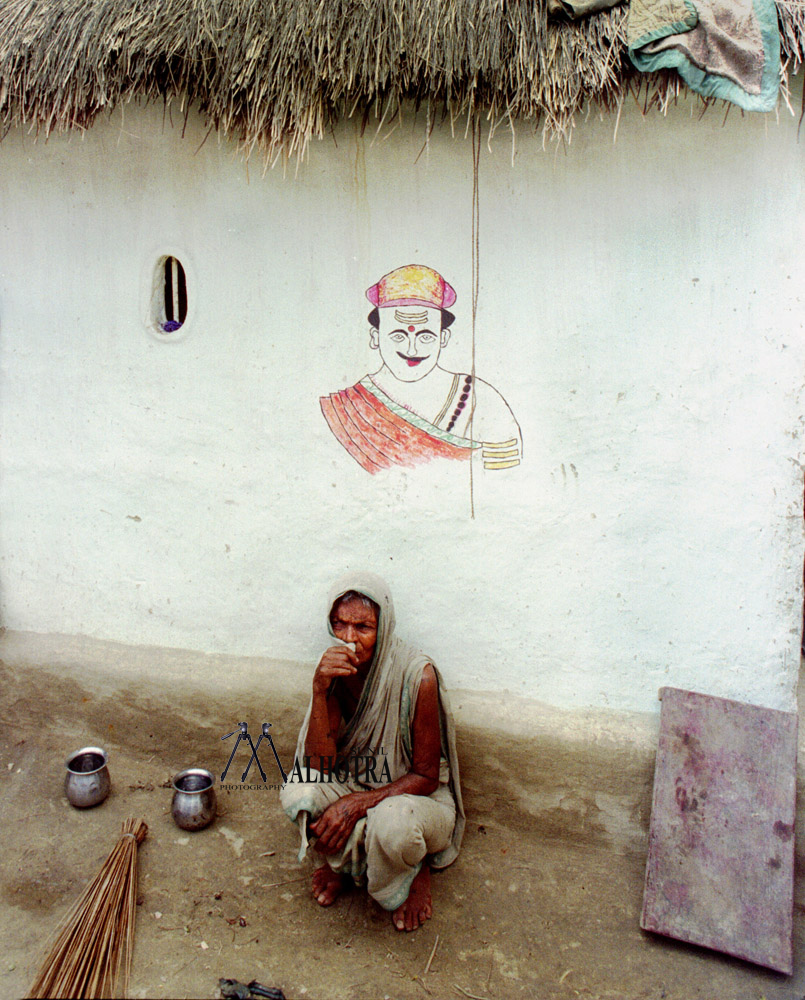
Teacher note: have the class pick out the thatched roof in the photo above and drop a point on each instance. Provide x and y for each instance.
(273, 73)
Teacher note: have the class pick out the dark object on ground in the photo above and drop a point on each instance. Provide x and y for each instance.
(271, 992)
(231, 988)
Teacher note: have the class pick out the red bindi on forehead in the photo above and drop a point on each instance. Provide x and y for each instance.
(411, 329)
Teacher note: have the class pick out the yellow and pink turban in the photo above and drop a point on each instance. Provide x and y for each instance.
(412, 285)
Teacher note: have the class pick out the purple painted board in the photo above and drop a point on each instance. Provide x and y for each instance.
(720, 869)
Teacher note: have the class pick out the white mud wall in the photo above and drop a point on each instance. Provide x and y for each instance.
(640, 308)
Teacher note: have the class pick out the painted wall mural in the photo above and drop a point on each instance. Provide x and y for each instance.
(411, 410)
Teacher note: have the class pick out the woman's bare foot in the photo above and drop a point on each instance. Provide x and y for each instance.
(327, 885)
(418, 907)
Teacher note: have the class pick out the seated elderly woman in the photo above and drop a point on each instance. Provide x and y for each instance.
(375, 767)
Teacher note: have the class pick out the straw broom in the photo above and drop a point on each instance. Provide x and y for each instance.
(92, 952)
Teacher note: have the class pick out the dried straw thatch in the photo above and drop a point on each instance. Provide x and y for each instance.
(273, 73)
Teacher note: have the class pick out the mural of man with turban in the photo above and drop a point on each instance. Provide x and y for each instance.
(411, 410)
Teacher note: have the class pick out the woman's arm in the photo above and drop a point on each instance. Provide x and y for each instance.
(325, 712)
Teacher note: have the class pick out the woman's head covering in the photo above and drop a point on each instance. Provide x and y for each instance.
(377, 590)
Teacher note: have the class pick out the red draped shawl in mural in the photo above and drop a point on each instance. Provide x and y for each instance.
(379, 433)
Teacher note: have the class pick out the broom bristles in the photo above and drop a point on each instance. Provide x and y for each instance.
(91, 955)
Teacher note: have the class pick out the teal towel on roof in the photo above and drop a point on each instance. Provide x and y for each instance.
(728, 49)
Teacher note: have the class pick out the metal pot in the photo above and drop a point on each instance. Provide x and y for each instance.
(194, 804)
(87, 782)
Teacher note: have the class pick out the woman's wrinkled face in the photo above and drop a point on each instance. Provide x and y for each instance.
(353, 621)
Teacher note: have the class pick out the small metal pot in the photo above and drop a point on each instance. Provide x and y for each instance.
(87, 782)
(194, 804)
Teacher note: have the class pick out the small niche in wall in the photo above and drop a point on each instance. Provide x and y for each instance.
(169, 296)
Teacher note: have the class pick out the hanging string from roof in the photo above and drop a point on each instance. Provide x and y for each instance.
(476, 206)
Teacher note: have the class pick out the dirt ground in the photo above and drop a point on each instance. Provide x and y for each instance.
(543, 902)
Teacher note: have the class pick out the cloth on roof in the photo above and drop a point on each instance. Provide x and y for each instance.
(383, 719)
(727, 49)
(574, 9)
